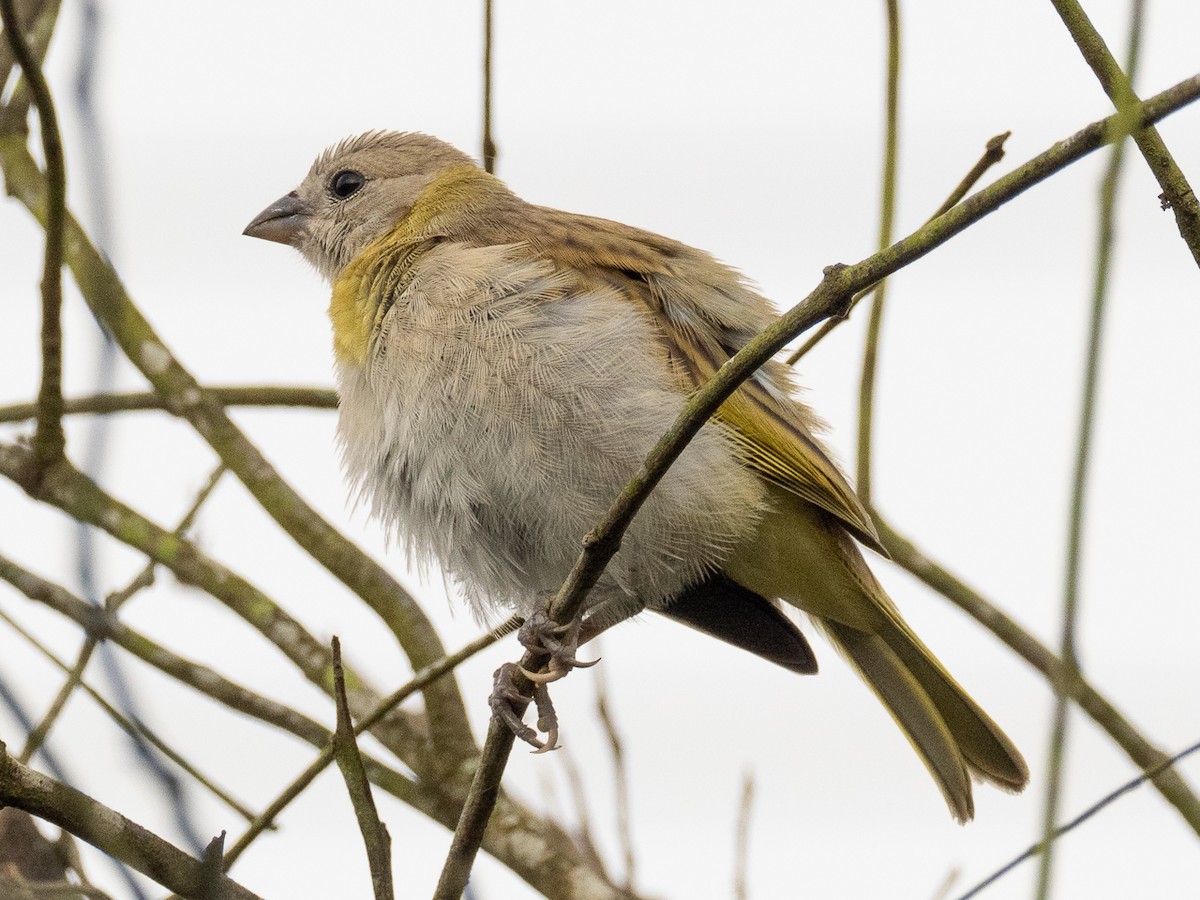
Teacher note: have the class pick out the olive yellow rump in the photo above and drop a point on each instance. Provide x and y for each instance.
(503, 370)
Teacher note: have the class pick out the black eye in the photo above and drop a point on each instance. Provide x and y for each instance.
(346, 183)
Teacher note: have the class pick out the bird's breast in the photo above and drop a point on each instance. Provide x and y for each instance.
(495, 410)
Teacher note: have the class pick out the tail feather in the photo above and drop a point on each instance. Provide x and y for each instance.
(986, 748)
(805, 557)
(917, 714)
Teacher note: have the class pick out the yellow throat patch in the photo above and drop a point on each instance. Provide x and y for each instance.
(365, 289)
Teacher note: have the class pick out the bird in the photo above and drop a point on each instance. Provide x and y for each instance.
(503, 369)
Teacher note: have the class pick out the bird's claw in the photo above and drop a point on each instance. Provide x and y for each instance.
(543, 636)
(505, 693)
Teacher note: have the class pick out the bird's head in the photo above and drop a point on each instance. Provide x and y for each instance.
(356, 192)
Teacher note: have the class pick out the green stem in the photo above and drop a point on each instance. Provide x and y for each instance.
(887, 215)
(1083, 455)
(1177, 195)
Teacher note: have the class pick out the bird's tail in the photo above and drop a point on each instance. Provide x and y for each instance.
(953, 736)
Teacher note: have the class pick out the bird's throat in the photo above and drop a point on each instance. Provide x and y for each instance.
(366, 290)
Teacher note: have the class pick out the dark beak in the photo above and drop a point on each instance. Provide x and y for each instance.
(283, 221)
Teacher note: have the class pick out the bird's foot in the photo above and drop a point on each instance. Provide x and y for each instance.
(542, 637)
(507, 698)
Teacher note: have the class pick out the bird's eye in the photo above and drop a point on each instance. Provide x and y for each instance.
(346, 183)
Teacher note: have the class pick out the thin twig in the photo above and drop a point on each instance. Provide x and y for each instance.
(1143, 754)
(489, 145)
(102, 827)
(131, 728)
(143, 580)
(106, 297)
(267, 817)
(1100, 804)
(887, 215)
(48, 438)
(1105, 241)
(345, 751)
(993, 152)
(947, 885)
(106, 404)
(41, 731)
(620, 777)
(830, 297)
(1177, 194)
(583, 815)
(741, 857)
(211, 874)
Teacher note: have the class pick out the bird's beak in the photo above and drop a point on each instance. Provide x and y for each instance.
(283, 221)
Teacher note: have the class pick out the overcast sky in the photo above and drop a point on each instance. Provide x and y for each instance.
(753, 131)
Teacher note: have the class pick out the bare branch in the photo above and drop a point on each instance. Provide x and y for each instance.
(106, 404)
(107, 830)
(1100, 804)
(887, 214)
(1177, 194)
(345, 751)
(1144, 755)
(1105, 239)
(266, 818)
(993, 152)
(830, 297)
(106, 297)
(48, 439)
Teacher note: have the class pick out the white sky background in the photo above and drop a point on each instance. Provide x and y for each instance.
(755, 132)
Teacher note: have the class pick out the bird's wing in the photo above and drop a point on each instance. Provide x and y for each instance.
(773, 440)
(705, 313)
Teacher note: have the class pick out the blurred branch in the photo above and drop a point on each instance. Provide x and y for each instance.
(107, 299)
(48, 438)
(620, 777)
(830, 297)
(993, 152)
(1045, 844)
(74, 493)
(537, 850)
(122, 722)
(583, 815)
(1177, 194)
(1144, 755)
(105, 404)
(106, 830)
(144, 579)
(38, 735)
(742, 837)
(1105, 240)
(40, 17)
(345, 751)
(266, 818)
(887, 216)
(25, 852)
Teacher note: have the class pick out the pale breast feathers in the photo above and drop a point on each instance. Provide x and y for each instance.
(487, 376)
